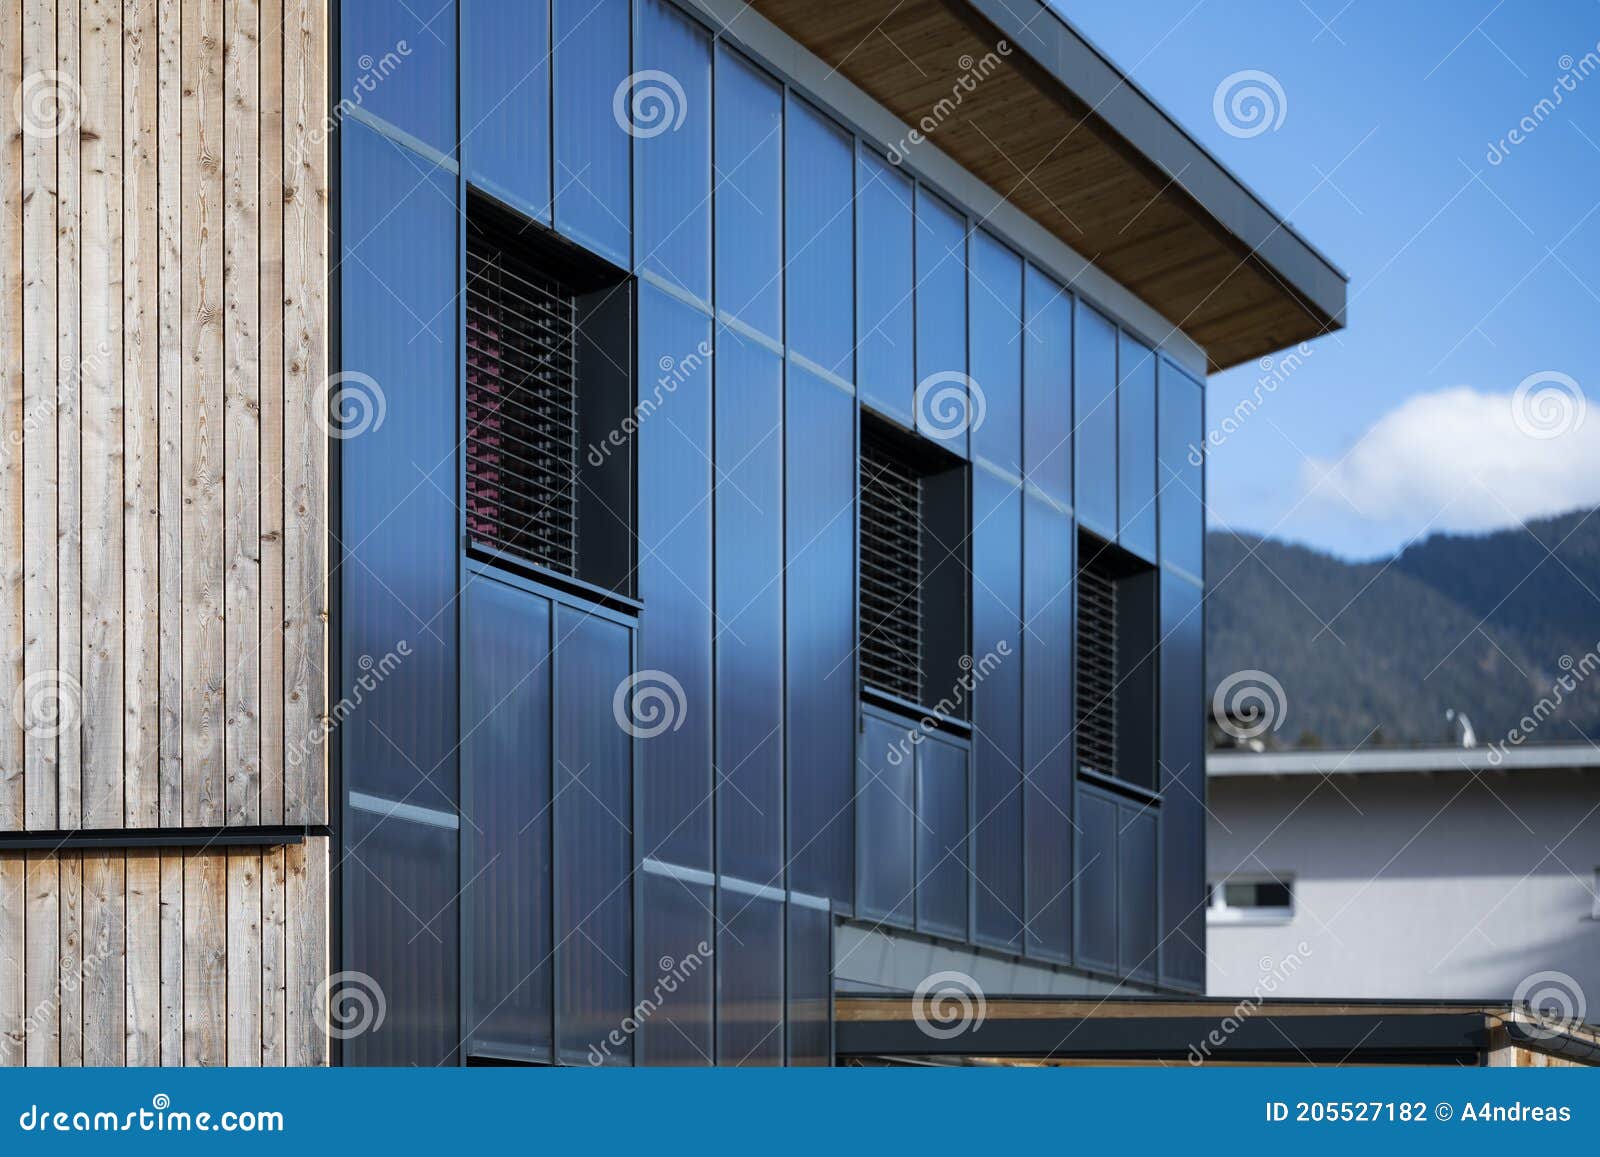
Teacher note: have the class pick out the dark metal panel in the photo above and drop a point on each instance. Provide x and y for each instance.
(675, 626)
(398, 62)
(1136, 890)
(997, 714)
(1047, 727)
(1183, 812)
(1182, 474)
(749, 193)
(505, 100)
(678, 970)
(593, 835)
(885, 354)
(1136, 446)
(750, 980)
(671, 121)
(1047, 386)
(810, 948)
(591, 150)
(749, 609)
(400, 466)
(941, 252)
(819, 531)
(942, 833)
(505, 771)
(1094, 392)
(995, 314)
(885, 822)
(1096, 906)
(820, 240)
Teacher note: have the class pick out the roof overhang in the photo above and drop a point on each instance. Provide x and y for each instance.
(1402, 761)
(1077, 146)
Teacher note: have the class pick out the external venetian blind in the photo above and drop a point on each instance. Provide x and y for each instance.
(891, 570)
(1096, 683)
(522, 418)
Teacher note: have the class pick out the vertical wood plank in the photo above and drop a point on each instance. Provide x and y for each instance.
(69, 436)
(104, 924)
(242, 433)
(13, 942)
(203, 612)
(171, 959)
(307, 947)
(69, 975)
(12, 431)
(143, 995)
(273, 898)
(244, 957)
(271, 367)
(40, 205)
(305, 404)
(100, 389)
(205, 948)
(42, 960)
(169, 403)
(141, 726)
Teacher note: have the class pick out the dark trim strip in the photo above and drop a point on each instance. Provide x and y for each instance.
(233, 837)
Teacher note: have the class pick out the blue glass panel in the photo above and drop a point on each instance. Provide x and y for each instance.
(820, 239)
(1047, 389)
(1096, 905)
(885, 822)
(1182, 472)
(810, 985)
(1047, 726)
(885, 355)
(1183, 813)
(675, 627)
(749, 194)
(942, 835)
(592, 145)
(676, 918)
(750, 995)
(995, 301)
(505, 101)
(398, 62)
(1136, 891)
(1094, 389)
(941, 316)
(671, 108)
(749, 607)
(1136, 444)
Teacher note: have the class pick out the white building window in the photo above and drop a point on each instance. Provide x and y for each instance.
(1244, 901)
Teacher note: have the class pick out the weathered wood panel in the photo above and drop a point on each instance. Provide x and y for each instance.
(11, 416)
(143, 964)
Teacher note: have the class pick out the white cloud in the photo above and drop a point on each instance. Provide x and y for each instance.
(1458, 460)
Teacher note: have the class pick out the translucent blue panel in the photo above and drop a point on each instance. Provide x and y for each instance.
(505, 101)
(749, 608)
(398, 319)
(885, 822)
(400, 929)
(673, 440)
(398, 62)
(593, 836)
(1047, 727)
(1094, 388)
(1182, 470)
(750, 990)
(505, 774)
(995, 303)
(942, 838)
(1183, 815)
(1136, 891)
(997, 714)
(819, 535)
(671, 109)
(676, 918)
(886, 363)
(820, 231)
(810, 985)
(1096, 905)
(1047, 387)
(749, 194)
(941, 248)
(1136, 444)
(592, 145)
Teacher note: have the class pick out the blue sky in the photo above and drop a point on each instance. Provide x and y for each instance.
(1466, 276)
